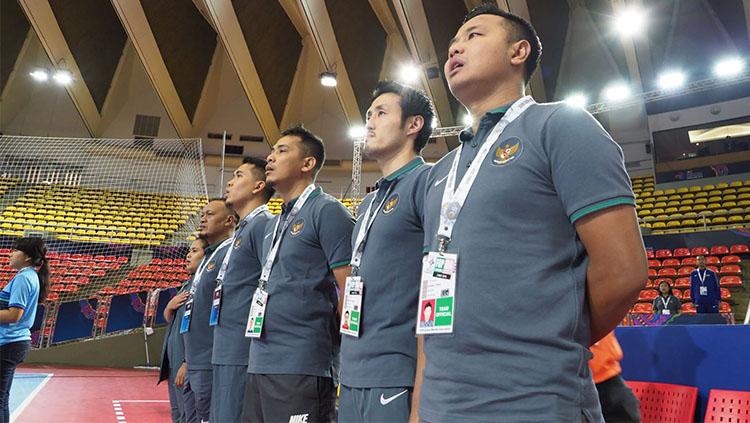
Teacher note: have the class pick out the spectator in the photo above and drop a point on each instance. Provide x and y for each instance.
(666, 302)
(704, 288)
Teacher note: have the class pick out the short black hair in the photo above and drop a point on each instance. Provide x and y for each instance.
(521, 29)
(311, 143)
(668, 284)
(259, 170)
(414, 102)
(226, 206)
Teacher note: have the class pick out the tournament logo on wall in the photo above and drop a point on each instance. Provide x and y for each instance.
(297, 227)
(391, 204)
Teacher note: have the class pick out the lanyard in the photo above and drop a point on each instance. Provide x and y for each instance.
(243, 223)
(359, 243)
(665, 302)
(454, 198)
(276, 240)
(204, 263)
(702, 278)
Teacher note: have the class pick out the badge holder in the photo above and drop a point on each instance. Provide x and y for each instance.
(185, 324)
(213, 320)
(351, 317)
(437, 293)
(257, 314)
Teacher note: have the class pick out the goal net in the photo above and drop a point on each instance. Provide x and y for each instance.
(117, 216)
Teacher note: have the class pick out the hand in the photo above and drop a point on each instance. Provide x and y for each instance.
(179, 380)
(177, 301)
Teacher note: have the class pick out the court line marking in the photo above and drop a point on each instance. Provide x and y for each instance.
(140, 401)
(17, 412)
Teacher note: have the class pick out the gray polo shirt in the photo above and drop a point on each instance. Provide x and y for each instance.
(299, 328)
(519, 350)
(173, 349)
(385, 354)
(231, 347)
(200, 338)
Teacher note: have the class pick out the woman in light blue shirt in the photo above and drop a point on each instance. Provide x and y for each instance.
(18, 301)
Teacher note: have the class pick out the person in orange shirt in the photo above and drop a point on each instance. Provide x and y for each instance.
(617, 400)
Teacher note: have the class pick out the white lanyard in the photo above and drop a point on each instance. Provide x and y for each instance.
(665, 302)
(702, 278)
(204, 263)
(359, 243)
(245, 221)
(454, 198)
(276, 240)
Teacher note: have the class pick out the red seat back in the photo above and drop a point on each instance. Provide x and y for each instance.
(730, 259)
(673, 262)
(730, 281)
(654, 263)
(730, 269)
(664, 402)
(685, 271)
(681, 252)
(682, 282)
(689, 261)
(667, 271)
(663, 253)
(699, 251)
(719, 249)
(712, 260)
(739, 249)
(727, 406)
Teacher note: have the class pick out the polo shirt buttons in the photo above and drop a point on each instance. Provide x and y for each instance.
(468, 164)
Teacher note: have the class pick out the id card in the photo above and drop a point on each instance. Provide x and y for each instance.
(185, 324)
(665, 311)
(704, 290)
(257, 313)
(352, 309)
(437, 293)
(213, 320)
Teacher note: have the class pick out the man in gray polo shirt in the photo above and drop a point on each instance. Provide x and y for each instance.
(247, 194)
(216, 227)
(533, 242)
(289, 370)
(379, 356)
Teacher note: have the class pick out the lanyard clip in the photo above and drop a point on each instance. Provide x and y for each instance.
(443, 242)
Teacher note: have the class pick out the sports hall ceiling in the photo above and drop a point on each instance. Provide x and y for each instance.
(361, 40)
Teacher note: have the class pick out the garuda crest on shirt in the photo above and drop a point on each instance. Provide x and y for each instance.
(507, 152)
(297, 227)
(390, 204)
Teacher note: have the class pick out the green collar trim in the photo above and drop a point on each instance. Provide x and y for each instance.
(415, 163)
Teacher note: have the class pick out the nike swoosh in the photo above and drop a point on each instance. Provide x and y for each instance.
(386, 401)
(440, 181)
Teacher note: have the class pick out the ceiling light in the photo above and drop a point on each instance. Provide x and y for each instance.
(467, 120)
(328, 79)
(39, 75)
(63, 77)
(729, 67)
(630, 22)
(577, 99)
(617, 91)
(409, 73)
(671, 80)
(357, 132)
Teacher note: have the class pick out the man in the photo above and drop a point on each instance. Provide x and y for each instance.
(379, 358)
(246, 194)
(216, 227)
(704, 288)
(293, 323)
(173, 367)
(534, 248)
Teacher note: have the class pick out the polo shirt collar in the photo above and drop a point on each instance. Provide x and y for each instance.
(404, 170)
(287, 207)
(489, 119)
(211, 248)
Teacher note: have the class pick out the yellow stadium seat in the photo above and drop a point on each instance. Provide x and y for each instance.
(644, 212)
(673, 224)
(685, 209)
(708, 187)
(673, 203)
(660, 204)
(670, 210)
(730, 197)
(719, 220)
(682, 190)
(714, 206)
(722, 185)
(688, 222)
(658, 225)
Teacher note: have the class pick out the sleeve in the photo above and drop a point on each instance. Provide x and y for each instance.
(655, 305)
(692, 288)
(335, 234)
(258, 234)
(587, 166)
(22, 293)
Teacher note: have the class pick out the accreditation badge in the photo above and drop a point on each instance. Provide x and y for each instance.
(665, 311)
(213, 320)
(704, 290)
(351, 313)
(437, 292)
(257, 313)
(185, 324)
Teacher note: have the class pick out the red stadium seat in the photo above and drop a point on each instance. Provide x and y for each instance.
(652, 273)
(739, 249)
(672, 262)
(685, 298)
(53, 296)
(682, 283)
(713, 269)
(730, 269)
(663, 253)
(725, 307)
(654, 263)
(685, 271)
(122, 259)
(730, 281)
(667, 271)
(657, 282)
(682, 252)
(718, 250)
(649, 283)
(712, 260)
(650, 253)
(699, 251)
(689, 261)
(677, 293)
(664, 402)
(731, 259)
(642, 308)
(725, 294)
(727, 406)
(647, 295)
(688, 308)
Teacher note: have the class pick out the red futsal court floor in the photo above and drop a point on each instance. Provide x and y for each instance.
(94, 395)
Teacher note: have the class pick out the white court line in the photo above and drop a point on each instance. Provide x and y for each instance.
(30, 397)
(140, 401)
(120, 415)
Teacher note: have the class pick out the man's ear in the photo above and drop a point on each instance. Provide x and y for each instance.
(309, 164)
(259, 187)
(414, 124)
(520, 51)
